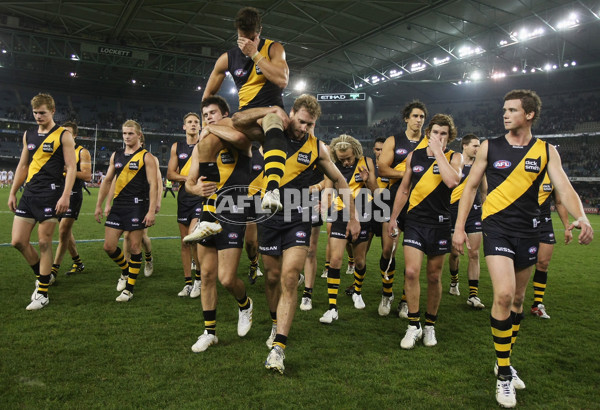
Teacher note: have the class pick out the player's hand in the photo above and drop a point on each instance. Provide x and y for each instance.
(353, 228)
(435, 143)
(393, 230)
(587, 233)
(363, 172)
(149, 219)
(248, 47)
(157, 210)
(459, 239)
(205, 189)
(12, 202)
(98, 214)
(205, 131)
(62, 205)
(568, 236)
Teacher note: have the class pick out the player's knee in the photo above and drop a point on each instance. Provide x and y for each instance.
(272, 278)
(542, 264)
(271, 121)
(474, 255)
(228, 281)
(290, 281)
(19, 244)
(504, 300)
(411, 274)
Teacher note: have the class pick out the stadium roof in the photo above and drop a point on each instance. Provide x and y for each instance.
(331, 45)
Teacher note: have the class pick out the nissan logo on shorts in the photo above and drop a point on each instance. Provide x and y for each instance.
(533, 250)
(301, 234)
(502, 164)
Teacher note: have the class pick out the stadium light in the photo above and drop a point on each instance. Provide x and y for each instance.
(525, 34)
(4, 51)
(467, 51)
(416, 67)
(73, 74)
(515, 69)
(199, 88)
(569, 22)
(233, 90)
(573, 63)
(441, 61)
(133, 81)
(498, 75)
(74, 57)
(476, 75)
(300, 85)
(395, 73)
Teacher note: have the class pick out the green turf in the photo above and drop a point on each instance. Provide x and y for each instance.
(86, 351)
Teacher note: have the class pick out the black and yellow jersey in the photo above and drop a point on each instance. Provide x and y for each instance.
(514, 174)
(299, 172)
(355, 183)
(429, 197)
(254, 90)
(77, 189)
(458, 191)
(257, 174)
(382, 182)
(232, 188)
(402, 147)
(184, 161)
(46, 162)
(545, 196)
(132, 184)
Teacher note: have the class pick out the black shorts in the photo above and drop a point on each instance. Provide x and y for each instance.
(473, 223)
(338, 230)
(40, 208)
(127, 217)
(273, 240)
(232, 236)
(523, 251)
(432, 241)
(187, 211)
(74, 207)
(547, 231)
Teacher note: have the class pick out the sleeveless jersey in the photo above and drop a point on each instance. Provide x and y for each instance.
(429, 197)
(355, 182)
(46, 162)
(131, 185)
(458, 191)
(544, 197)
(184, 160)
(514, 175)
(299, 168)
(234, 171)
(77, 189)
(256, 171)
(402, 147)
(254, 90)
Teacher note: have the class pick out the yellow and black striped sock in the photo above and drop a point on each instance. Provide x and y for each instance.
(350, 260)
(275, 157)
(148, 256)
(189, 281)
(120, 260)
(333, 286)
(415, 319)
(77, 260)
(244, 303)
(273, 317)
(134, 269)
(307, 293)
(540, 278)
(430, 319)
(516, 325)
(43, 283)
(36, 269)
(502, 333)
(210, 321)
(403, 297)
(55, 268)
(327, 266)
(453, 276)
(473, 288)
(197, 273)
(359, 277)
(388, 283)
(254, 261)
(280, 340)
(210, 170)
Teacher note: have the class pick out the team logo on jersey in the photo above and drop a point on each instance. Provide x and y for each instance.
(31, 147)
(401, 151)
(502, 164)
(134, 164)
(301, 234)
(232, 235)
(135, 220)
(48, 146)
(304, 157)
(227, 158)
(418, 169)
(183, 155)
(533, 165)
(240, 72)
(256, 167)
(533, 250)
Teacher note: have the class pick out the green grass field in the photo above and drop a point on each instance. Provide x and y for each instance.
(87, 351)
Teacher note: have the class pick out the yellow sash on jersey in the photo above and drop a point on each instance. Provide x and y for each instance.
(40, 157)
(225, 170)
(185, 171)
(427, 184)
(546, 189)
(458, 191)
(516, 184)
(128, 174)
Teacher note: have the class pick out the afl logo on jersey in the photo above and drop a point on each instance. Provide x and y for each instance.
(232, 235)
(533, 250)
(401, 151)
(301, 234)
(118, 165)
(502, 164)
(183, 155)
(257, 167)
(31, 147)
(418, 169)
(240, 72)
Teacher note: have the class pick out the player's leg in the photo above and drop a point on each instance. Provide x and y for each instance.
(208, 258)
(473, 270)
